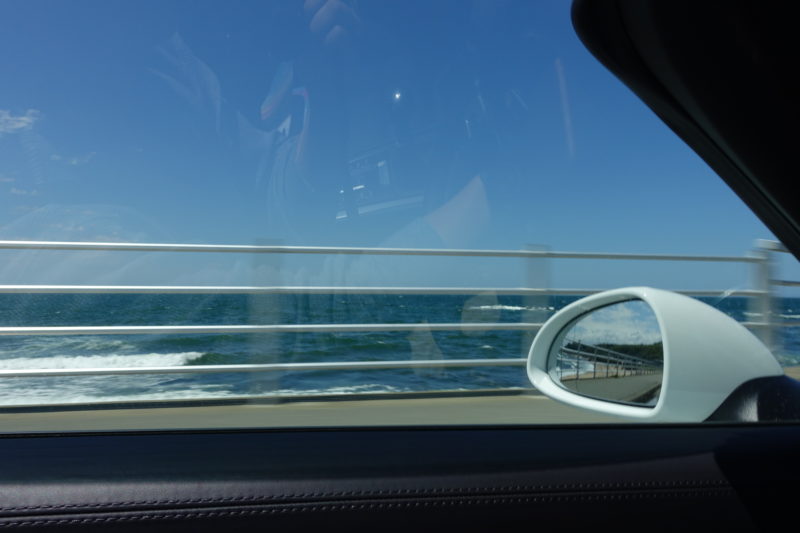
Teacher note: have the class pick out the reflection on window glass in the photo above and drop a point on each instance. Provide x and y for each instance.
(309, 174)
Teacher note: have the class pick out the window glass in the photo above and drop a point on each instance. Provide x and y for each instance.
(272, 151)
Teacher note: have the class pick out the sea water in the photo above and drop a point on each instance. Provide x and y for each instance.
(172, 350)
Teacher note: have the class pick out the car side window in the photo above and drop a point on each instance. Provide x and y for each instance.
(342, 213)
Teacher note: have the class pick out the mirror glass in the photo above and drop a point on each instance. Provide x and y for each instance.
(612, 353)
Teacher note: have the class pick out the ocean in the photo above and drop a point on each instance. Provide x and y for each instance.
(96, 351)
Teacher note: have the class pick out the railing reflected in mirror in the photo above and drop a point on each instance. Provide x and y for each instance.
(613, 353)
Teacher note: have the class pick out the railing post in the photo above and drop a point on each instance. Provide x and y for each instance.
(537, 276)
(761, 305)
(266, 309)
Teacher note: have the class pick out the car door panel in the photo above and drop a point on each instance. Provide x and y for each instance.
(470, 478)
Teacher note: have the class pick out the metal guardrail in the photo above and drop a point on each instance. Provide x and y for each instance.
(278, 367)
(764, 281)
(432, 291)
(760, 294)
(784, 283)
(254, 249)
(610, 362)
(270, 328)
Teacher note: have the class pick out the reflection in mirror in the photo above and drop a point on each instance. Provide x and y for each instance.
(613, 353)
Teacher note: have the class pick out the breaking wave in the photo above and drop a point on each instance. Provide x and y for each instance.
(99, 361)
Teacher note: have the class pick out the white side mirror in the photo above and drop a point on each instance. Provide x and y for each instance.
(645, 353)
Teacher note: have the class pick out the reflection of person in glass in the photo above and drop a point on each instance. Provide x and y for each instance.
(380, 115)
(391, 129)
(380, 126)
(373, 115)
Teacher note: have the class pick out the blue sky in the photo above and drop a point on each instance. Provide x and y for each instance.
(450, 124)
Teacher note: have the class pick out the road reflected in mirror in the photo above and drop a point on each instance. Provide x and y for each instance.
(613, 353)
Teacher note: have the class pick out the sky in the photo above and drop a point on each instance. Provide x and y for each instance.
(630, 322)
(451, 124)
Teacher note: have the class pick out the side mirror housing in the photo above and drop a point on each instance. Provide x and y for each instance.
(647, 354)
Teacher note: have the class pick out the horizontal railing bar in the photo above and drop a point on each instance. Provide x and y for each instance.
(771, 246)
(216, 369)
(774, 324)
(785, 283)
(202, 289)
(236, 248)
(272, 328)
(721, 293)
(141, 289)
(615, 357)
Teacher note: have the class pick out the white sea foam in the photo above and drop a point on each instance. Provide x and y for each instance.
(47, 346)
(500, 307)
(83, 390)
(99, 361)
(781, 315)
(351, 389)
